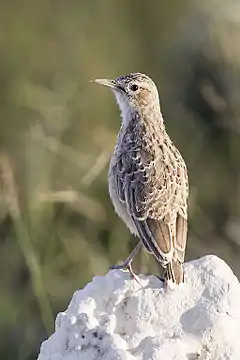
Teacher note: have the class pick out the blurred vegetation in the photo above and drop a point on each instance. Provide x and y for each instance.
(57, 131)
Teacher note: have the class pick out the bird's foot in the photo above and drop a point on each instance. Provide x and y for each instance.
(125, 266)
(119, 267)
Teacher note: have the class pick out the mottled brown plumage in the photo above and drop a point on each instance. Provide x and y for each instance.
(148, 181)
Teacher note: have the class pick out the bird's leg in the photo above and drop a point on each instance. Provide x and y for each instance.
(127, 263)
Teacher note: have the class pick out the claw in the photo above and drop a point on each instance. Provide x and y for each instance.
(126, 265)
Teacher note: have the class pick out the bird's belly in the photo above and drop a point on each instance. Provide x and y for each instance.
(120, 208)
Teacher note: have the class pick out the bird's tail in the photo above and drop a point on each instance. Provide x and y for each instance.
(175, 271)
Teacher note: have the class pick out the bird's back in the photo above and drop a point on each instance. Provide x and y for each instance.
(147, 161)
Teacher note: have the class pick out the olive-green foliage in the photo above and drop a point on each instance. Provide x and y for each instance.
(57, 131)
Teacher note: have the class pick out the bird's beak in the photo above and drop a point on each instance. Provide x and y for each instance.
(106, 82)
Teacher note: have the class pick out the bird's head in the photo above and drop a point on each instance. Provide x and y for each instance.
(134, 92)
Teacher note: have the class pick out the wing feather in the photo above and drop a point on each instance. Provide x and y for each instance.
(181, 237)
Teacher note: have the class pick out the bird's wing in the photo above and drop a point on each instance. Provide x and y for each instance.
(155, 193)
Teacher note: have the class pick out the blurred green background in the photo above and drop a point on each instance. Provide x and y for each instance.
(57, 131)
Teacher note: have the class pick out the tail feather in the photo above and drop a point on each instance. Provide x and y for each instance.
(175, 271)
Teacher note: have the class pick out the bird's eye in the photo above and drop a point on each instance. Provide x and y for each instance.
(134, 87)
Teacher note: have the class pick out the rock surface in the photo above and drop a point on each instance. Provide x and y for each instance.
(114, 318)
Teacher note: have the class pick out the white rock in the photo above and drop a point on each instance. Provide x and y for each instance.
(114, 318)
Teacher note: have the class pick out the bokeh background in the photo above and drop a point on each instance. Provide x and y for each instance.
(57, 130)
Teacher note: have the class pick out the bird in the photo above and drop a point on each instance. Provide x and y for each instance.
(148, 177)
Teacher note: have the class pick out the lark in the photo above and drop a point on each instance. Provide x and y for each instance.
(148, 181)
